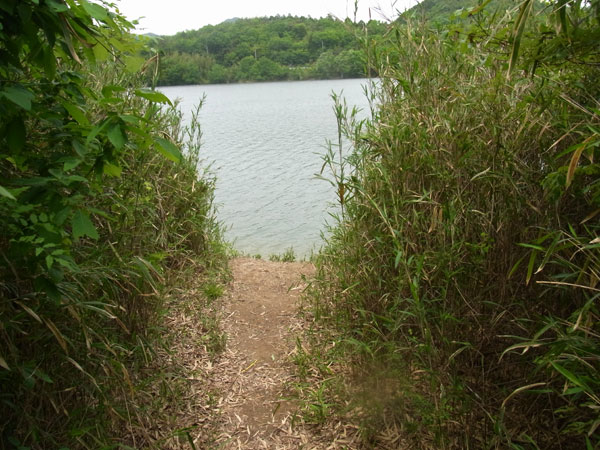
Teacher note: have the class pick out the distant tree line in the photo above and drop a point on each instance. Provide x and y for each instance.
(266, 49)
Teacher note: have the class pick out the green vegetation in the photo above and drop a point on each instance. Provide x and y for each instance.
(461, 282)
(100, 212)
(287, 256)
(265, 49)
(446, 11)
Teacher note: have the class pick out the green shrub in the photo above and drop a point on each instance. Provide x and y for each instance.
(98, 208)
(466, 254)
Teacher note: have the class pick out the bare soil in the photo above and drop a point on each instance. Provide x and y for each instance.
(261, 324)
(241, 398)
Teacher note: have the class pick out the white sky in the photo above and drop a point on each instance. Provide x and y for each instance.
(166, 17)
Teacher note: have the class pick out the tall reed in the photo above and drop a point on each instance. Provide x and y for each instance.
(463, 272)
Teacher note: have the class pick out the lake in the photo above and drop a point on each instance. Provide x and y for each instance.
(264, 142)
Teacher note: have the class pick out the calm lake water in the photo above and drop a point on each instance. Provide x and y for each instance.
(265, 142)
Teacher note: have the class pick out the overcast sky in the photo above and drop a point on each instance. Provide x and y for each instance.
(167, 17)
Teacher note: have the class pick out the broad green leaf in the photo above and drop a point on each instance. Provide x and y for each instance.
(168, 149)
(110, 89)
(5, 193)
(19, 96)
(67, 180)
(97, 130)
(83, 226)
(95, 10)
(81, 149)
(76, 113)
(3, 363)
(71, 163)
(134, 63)
(61, 216)
(116, 136)
(130, 119)
(100, 52)
(111, 169)
(153, 96)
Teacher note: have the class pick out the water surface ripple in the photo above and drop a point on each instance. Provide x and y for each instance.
(264, 141)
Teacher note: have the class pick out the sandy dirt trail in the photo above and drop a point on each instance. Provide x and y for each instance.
(260, 320)
(240, 397)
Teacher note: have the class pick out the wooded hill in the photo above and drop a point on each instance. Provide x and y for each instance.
(268, 48)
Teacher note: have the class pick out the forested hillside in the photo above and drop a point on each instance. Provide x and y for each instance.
(444, 12)
(273, 48)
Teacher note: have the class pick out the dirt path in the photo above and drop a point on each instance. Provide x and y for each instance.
(261, 325)
(235, 398)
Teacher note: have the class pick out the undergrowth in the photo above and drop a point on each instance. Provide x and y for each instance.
(458, 292)
(101, 210)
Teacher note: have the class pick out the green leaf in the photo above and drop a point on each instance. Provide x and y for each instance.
(97, 130)
(110, 89)
(111, 169)
(5, 193)
(168, 149)
(116, 136)
(57, 7)
(130, 119)
(61, 216)
(76, 113)
(134, 63)
(19, 96)
(43, 376)
(81, 149)
(530, 266)
(100, 52)
(49, 61)
(561, 8)
(95, 10)
(398, 258)
(524, 11)
(153, 96)
(569, 375)
(15, 134)
(71, 163)
(83, 226)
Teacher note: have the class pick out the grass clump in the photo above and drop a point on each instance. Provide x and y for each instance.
(461, 279)
(287, 256)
